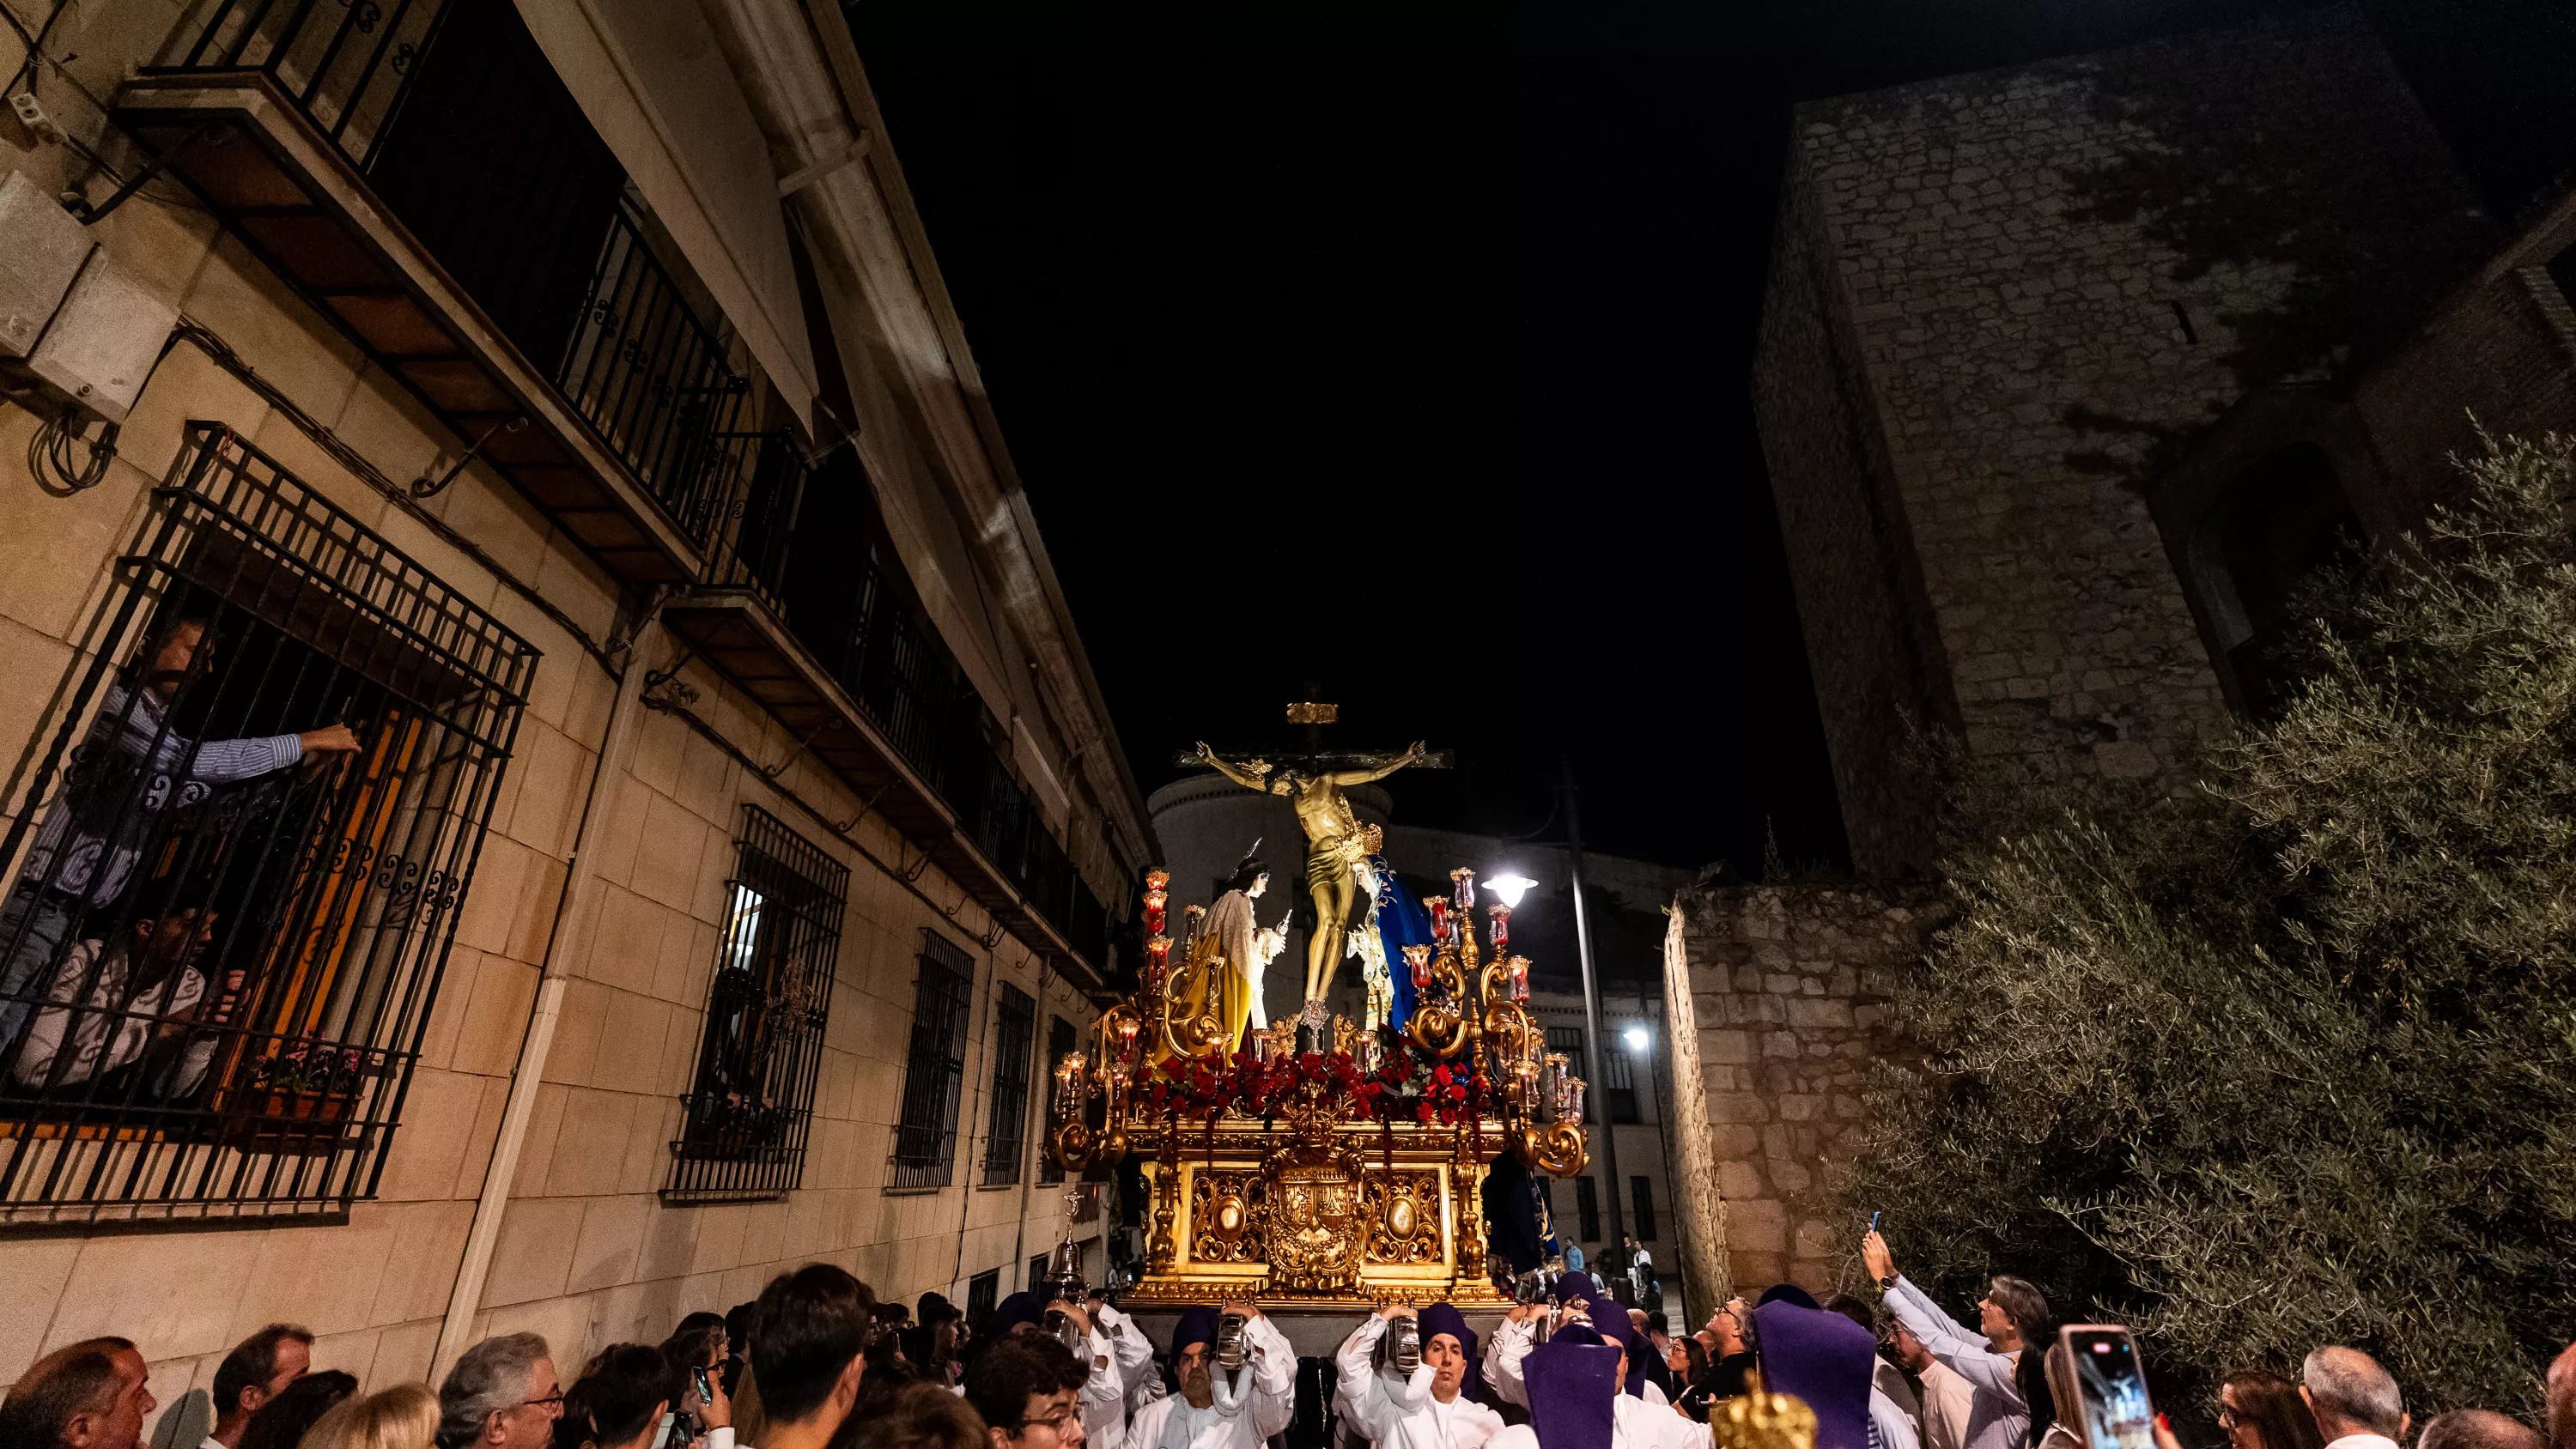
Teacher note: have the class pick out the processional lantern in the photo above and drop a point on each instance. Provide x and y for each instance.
(1343, 1174)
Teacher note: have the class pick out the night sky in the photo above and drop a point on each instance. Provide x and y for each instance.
(1404, 348)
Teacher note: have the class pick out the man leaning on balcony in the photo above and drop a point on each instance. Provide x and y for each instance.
(129, 769)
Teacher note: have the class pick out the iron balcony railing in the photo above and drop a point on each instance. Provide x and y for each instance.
(840, 597)
(452, 114)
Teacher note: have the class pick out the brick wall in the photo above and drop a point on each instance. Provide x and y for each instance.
(1777, 998)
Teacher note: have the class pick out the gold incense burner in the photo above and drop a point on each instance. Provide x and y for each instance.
(1338, 1178)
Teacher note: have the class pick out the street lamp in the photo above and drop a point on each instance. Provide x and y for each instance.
(1510, 887)
(1636, 1038)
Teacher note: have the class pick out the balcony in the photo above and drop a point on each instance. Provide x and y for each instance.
(418, 173)
(815, 623)
(417, 170)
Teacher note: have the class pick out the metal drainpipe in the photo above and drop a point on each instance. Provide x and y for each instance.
(571, 931)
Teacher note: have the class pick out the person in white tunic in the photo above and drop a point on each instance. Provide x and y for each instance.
(1425, 1408)
(1636, 1421)
(1134, 1353)
(1221, 1408)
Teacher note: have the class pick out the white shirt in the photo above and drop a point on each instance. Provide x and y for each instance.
(1103, 1400)
(1243, 1415)
(1947, 1401)
(1504, 1351)
(114, 1029)
(2362, 1441)
(1401, 1413)
(1889, 1421)
(1636, 1424)
(1998, 1418)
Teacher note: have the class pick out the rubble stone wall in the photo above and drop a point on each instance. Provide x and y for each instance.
(2051, 279)
(1777, 994)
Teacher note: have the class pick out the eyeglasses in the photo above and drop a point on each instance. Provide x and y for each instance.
(553, 1401)
(1053, 1423)
(2227, 1417)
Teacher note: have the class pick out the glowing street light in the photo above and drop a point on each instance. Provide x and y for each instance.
(1511, 888)
(1636, 1038)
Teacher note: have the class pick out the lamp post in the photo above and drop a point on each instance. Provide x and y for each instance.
(1592, 1004)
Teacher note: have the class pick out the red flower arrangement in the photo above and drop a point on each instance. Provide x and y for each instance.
(1207, 1088)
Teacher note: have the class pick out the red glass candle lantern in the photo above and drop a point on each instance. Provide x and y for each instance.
(1419, 958)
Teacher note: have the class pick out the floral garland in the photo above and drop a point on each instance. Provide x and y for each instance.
(1399, 1090)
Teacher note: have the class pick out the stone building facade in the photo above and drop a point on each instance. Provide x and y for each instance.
(2001, 306)
(694, 820)
(1776, 999)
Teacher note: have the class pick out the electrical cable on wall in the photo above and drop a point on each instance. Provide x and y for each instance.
(63, 455)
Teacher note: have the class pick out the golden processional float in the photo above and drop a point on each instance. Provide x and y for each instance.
(1344, 1175)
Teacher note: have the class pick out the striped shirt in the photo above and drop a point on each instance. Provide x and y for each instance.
(132, 766)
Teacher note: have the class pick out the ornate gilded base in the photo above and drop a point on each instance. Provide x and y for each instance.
(1341, 1222)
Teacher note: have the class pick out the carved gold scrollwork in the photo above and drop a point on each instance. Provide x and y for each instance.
(1225, 1217)
(1404, 1219)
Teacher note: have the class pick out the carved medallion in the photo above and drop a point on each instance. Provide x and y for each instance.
(1403, 1218)
(1225, 1217)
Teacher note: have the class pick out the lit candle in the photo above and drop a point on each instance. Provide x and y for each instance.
(1438, 906)
(1419, 958)
(1501, 917)
(1520, 973)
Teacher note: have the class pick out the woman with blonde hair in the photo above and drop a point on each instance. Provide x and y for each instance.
(402, 1417)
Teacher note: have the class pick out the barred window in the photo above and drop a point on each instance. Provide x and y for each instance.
(743, 1134)
(240, 854)
(1641, 1197)
(983, 1292)
(1587, 1208)
(1619, 1080)
(1007, 1131)
(934, 1075)
(1060, 1044)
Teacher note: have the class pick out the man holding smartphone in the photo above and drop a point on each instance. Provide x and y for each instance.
(2011, 1313)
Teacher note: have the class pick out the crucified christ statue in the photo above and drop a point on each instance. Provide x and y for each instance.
(1333, 848)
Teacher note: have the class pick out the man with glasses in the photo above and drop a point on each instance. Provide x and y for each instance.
(502, 1394)
(1028, 1389)
(1217, 1407)
(1730, 1349)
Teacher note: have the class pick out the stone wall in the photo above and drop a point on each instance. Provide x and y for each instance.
(1776, 1002)
(2051, 279)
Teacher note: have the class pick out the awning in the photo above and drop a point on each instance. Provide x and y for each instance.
(652, 80)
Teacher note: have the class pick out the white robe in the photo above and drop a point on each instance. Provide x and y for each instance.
(1104, 1388)
(1243, 1415)
(1129, 1346)
(1635, 1423)
(1400, 1413)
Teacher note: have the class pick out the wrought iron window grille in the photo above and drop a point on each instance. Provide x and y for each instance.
(1060, 1044)
(749, 1115)
(1006, 1139)
(238, 859)
(934, 1076)
(1587, 1208)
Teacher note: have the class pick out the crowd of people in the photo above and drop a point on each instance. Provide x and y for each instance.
(816, 1362)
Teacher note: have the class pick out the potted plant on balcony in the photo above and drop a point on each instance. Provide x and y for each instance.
(306, 1081)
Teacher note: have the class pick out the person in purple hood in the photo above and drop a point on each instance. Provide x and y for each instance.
(1424, 1409)
(1570, 1380)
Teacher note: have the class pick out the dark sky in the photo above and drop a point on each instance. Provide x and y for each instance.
(1403, 348)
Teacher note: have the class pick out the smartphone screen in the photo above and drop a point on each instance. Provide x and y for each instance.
(2116, 1413)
